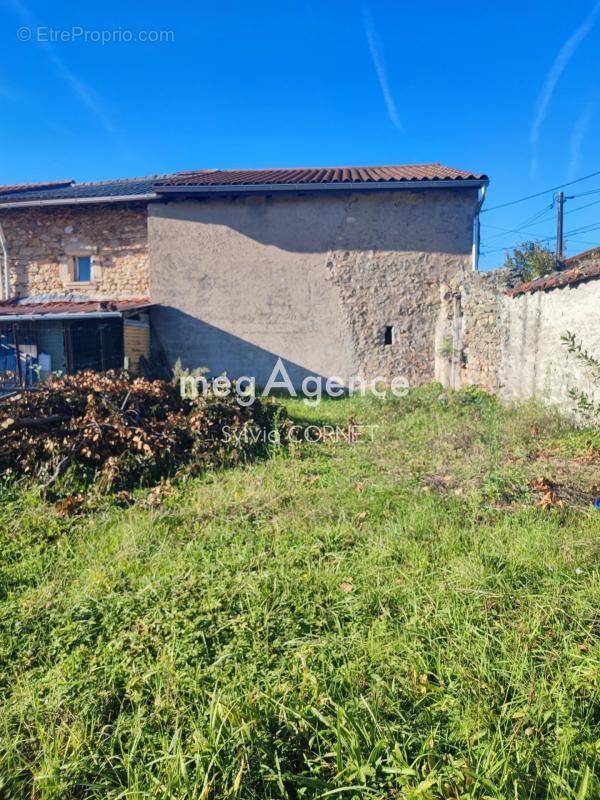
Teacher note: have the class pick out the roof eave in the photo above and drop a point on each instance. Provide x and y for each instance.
(68, 201)
(414, 185)
(66, 315)
(63, 316)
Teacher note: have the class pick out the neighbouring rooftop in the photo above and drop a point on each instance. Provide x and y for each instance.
(19, 188)
(579, 268)
(64, 192)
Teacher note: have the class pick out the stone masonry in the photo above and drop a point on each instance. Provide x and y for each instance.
(469, 335)
(41, 242)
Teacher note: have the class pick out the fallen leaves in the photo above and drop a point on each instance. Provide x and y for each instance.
(552, 494)
(546, 490)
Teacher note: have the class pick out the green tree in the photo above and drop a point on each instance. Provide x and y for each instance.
(532, 260)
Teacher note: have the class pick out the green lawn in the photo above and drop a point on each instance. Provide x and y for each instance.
(396, 619)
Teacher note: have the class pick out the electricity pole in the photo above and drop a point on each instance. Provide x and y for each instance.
(560, 202)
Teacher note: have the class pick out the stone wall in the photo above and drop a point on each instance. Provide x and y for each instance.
(42, 242)
(470, 336)
(311, 279)
(511, 345)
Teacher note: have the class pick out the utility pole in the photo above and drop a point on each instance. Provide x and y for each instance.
(560, 203)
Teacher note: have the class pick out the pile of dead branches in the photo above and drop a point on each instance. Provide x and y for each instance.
(122, 432)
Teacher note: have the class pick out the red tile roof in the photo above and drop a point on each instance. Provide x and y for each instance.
(34, 187)
(64, 191)
(586, 255)
(318, 175)
(566, 277)
(17, 308)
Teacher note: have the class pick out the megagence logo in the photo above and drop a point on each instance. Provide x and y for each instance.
(312, 390)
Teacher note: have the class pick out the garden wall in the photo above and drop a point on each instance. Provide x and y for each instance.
(505, 336)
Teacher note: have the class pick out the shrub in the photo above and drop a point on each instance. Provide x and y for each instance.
(587, 406)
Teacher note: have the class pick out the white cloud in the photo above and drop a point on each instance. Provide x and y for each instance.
(580, 130)
(80, 89)
(379, 64)
(561, 61)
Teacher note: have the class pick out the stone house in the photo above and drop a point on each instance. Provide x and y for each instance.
(75, 277)
(336, 272)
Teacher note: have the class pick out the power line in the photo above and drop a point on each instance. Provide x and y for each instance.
(540, 240)
(541, 217)
(539, 194)
(587, 205)
(580, 241)
(537, 219)
(534, 217)
(524, 231)
(585, 194)
(586, 228)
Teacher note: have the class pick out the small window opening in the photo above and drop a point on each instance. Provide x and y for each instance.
(388, 337)
(83, 269)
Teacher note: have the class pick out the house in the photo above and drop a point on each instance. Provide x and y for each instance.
(75, 277)
(335, 271)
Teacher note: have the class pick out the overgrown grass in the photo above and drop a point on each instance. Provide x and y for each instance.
(395, 618)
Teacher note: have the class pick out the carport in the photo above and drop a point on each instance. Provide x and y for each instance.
(40, 338)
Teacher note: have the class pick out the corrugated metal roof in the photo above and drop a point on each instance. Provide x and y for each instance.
(26, 307)
(121, 187)
(318, 176)
(566, 277)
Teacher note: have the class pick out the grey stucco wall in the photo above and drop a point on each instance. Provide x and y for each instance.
(313, 279)
(535, 363)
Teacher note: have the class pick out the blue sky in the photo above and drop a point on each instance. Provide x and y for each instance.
(508, 88)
